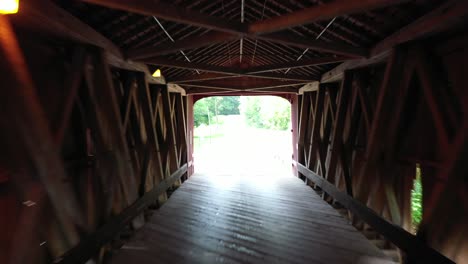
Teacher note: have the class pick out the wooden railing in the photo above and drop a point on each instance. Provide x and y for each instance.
(89, 246)
(413, 247)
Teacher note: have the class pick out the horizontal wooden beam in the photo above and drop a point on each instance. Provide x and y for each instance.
(319, 12)
(442, 17)
(447, 14)
(91, 245)
(173, 13)
(281, 38)
(297, 64)
(210, 90)
(201, 77)
(294, 40)
(413, 246)
(337, 73)
(164, 61)
(188, 43)
(224, 92)
(236, 30)
(244, 83)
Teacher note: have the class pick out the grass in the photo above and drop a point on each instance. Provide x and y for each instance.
(201, 141)
(416, 200)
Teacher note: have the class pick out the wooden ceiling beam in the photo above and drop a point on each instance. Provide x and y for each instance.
(446, 15)
(313, 44)
(235, 30)
(173, 13)
(188, 43)
(281, 38)
(164, 61)
(439, 19)
(297, 64)
(317, 13)
(201, 77)
(246, 83)
(203, 88)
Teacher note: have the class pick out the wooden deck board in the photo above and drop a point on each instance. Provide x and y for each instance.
(229, 219)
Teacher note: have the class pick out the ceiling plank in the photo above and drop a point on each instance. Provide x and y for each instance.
(216, 91)
(201, 77)
(317, 13)
(314, 44)
(297, 64)
(439, 19)
(164, 61)
(281, 38)
(188, 43)
(173, 13)
(237, 30)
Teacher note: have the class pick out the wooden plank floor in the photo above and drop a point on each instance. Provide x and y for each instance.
(258, 219)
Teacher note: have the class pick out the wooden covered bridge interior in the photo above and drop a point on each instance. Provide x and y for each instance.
(96, 159)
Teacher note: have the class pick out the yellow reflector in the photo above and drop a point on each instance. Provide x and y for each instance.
(9, 6)
(157, 73)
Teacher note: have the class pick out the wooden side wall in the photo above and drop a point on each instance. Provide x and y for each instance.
(80, 142)
(366, 134)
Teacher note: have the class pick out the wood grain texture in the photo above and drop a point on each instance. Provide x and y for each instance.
(246, 219)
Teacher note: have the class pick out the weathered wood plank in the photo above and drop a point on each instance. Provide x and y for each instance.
(246, 222)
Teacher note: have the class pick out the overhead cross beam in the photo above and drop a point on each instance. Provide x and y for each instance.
(296, 64)
(164, 61)
(188, 43)
(317, 13)
(222, 74)
(201, 77)
(246, 83)
(442, 17)
(218, 37)
(173, 13)
(437, 20)
(238, 30)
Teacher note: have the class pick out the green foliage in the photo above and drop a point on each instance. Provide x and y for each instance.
(250, 108)
(229, 105)
(206, 110)
(416, 199)
(268, 112)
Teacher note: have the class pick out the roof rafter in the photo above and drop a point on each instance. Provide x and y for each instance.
(317, 13)
(297, 64)
(201, 77)
(239, 30)
(173, 13)
(188, 43)
(436, 20)
(446, 15)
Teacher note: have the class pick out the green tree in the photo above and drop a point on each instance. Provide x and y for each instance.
(250, 109)
(416, 199)
(269, 112)
(201, 113)
(229, 105)
(206, 110)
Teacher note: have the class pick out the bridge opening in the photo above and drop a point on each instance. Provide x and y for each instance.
(243, 135)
